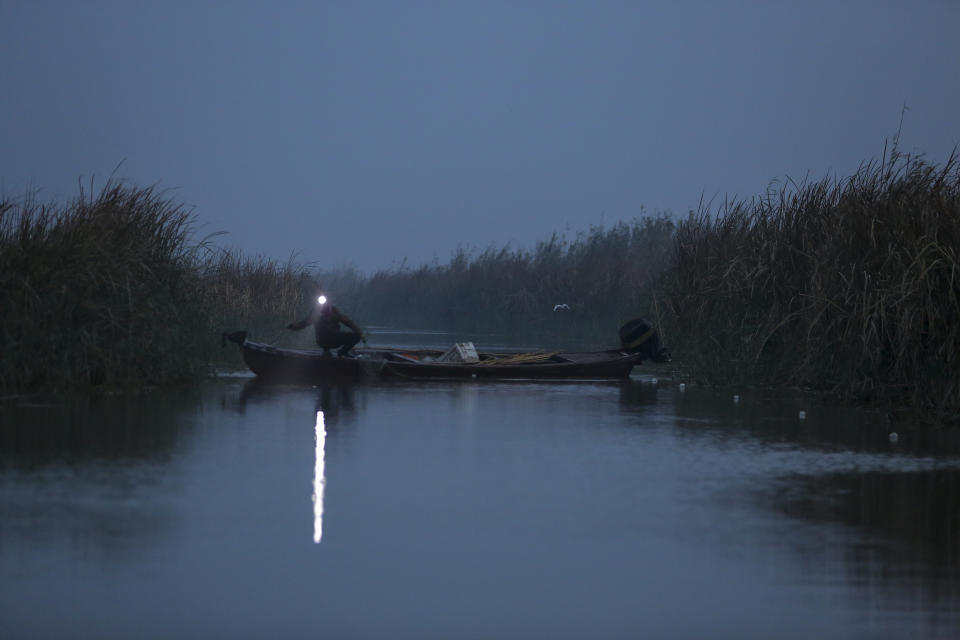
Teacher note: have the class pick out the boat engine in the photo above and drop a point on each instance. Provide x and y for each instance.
(237, 336)
(639, 336)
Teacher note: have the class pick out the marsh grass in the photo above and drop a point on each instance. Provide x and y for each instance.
(98, 292)
(254, 293)
(110, 290)
(850, 286)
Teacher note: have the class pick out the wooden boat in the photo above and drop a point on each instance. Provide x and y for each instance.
(296, 365)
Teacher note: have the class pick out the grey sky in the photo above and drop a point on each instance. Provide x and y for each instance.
(365, 132)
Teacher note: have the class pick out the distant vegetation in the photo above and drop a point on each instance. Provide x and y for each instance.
(586, 286)
(847, 286)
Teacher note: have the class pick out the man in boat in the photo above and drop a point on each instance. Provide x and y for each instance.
(326, 320)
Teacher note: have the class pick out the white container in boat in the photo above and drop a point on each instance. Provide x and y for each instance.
(460, 352)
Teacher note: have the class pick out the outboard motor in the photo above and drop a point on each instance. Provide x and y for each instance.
(237, 336)
(639, 336)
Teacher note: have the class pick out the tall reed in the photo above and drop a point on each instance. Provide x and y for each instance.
(99, 291)
(111, 289)
(253, 292)
(848, 286)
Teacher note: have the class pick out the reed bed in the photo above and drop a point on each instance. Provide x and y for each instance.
(97, 292)
(255, 293)
(110, 290)
(849, 286)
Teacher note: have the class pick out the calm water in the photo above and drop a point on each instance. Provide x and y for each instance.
(459, 510)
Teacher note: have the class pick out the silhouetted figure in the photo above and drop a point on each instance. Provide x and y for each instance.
(326, 320)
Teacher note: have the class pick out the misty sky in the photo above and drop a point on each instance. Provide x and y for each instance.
(361, 133)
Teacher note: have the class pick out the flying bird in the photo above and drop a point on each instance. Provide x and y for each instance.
(557, 307)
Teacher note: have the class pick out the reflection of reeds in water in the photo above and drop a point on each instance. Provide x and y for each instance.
(915, 508)
(849, 286)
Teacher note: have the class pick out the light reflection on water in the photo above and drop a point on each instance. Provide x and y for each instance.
(527, 509)
(319, 477)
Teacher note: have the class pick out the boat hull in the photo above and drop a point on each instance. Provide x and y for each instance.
(298, 365)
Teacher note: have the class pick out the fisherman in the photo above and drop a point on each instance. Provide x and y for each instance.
(326, 320)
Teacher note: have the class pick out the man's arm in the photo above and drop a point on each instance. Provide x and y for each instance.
(296, 326)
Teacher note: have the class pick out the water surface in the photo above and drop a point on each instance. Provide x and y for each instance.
(472, 509)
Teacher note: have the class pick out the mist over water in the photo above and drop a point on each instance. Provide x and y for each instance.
(473, 510)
